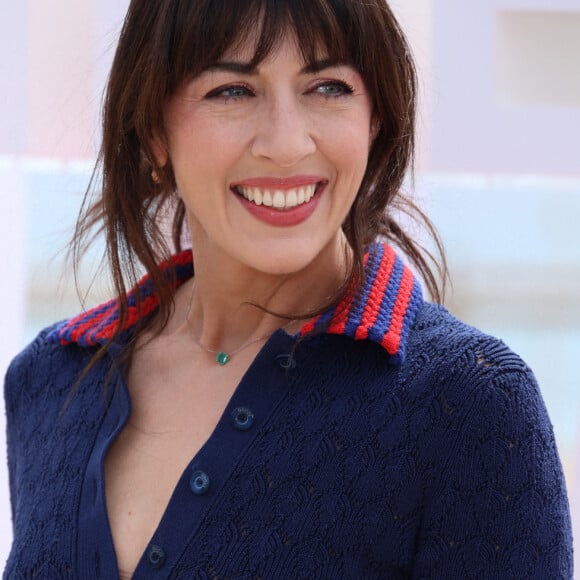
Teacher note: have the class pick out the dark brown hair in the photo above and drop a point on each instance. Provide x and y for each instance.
(163, 43)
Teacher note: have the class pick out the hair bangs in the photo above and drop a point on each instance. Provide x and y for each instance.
(316, 26)
(203, 31)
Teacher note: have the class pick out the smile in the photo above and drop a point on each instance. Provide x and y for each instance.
(280, 199)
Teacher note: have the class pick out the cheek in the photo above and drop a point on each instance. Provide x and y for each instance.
(351, 149)
(348, 137)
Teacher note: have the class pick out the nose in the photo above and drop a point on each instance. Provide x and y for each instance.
(284, 132)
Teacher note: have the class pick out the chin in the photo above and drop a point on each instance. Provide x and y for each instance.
(284, 259)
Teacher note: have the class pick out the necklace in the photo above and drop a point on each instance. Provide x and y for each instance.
(221, 356)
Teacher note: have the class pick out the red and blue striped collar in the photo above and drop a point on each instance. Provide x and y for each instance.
(382, 311)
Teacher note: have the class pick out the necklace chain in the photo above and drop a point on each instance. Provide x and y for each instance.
(222, 357)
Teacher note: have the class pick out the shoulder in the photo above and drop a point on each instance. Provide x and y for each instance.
(459, 354)
(435, 329)
(485, 411)
(474, 403)
(497, 485)
(44, 366)
(473, 382)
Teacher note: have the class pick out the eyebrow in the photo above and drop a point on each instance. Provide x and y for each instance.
(249, 68)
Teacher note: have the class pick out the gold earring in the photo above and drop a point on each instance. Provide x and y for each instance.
(155, 177)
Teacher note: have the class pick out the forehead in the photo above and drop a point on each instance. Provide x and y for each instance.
(253, 30)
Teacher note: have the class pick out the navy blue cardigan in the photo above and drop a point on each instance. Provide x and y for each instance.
(397, 443)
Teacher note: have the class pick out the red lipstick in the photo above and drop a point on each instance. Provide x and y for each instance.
(280, 182)
(288, 216)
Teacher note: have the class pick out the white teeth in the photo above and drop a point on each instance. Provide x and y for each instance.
(279, 199)
(267, 198)
(291, 198)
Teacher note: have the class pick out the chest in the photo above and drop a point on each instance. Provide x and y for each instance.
(311, 483)
(176, 405)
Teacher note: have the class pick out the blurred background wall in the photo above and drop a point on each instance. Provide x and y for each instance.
(498, 171)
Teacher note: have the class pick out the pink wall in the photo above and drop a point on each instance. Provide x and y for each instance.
(61, 88)
(472, 129)
(13, 67)
(54, 58)
(55, 55)
(416, 18)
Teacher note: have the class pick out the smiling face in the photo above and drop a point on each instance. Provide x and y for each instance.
(268, 159)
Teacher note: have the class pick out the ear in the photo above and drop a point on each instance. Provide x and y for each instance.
(160, 155)
(154, 158)
(374, 130)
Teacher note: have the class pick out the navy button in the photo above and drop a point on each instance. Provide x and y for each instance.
(243, 418)
(199, 482)
(286, 361)
(156, 557)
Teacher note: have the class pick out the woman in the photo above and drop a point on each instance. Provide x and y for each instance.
(294, 409)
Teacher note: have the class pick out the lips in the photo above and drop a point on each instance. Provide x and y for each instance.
(282, 201)
(279, 194)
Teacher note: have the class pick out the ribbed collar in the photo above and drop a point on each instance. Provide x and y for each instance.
(382, 311)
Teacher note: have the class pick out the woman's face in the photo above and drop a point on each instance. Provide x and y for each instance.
(268, 161)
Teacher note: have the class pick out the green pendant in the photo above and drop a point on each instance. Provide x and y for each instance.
(222, 358)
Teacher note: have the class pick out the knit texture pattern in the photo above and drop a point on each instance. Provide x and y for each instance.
(440, 464)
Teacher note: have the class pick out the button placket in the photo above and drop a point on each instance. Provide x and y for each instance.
(211, 469)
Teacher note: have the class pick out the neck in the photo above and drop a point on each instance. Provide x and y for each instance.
(229, 304)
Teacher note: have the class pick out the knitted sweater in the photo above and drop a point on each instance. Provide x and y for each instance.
(398, 443)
